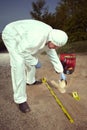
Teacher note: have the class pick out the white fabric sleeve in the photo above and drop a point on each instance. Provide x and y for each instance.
(55, 60)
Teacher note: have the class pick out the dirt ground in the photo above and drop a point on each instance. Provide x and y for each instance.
(45, 113)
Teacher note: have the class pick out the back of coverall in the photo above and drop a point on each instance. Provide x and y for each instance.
(23, 39)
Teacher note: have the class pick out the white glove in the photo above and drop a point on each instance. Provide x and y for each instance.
(62, 76)
(38, 65)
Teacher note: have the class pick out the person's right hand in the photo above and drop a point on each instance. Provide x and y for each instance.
(62, 76)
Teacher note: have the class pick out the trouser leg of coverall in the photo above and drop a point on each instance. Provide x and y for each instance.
(18, 78)
(17, 67)
(30, 73)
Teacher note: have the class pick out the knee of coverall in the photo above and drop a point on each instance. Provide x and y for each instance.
(16, 61)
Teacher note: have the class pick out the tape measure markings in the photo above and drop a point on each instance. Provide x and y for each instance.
(58, 101)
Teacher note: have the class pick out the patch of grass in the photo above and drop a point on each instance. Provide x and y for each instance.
(74, 47)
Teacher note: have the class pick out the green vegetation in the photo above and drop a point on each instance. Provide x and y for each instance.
(2, 46)
(74, 47)
(70, 16)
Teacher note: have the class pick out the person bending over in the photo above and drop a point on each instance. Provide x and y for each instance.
(23, 39)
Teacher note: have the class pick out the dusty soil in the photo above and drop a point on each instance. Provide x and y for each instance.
(45, 112)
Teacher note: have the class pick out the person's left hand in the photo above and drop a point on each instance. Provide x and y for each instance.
(38, 65)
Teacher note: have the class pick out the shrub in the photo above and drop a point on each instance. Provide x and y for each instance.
(2, 46)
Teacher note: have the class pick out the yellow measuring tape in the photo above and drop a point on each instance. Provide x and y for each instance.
(57, 100)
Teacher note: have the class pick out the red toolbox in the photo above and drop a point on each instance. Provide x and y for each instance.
(69, 62)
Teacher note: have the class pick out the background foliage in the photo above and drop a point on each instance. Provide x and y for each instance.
(69, 15)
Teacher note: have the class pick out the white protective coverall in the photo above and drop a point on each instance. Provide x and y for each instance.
(23, 39)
